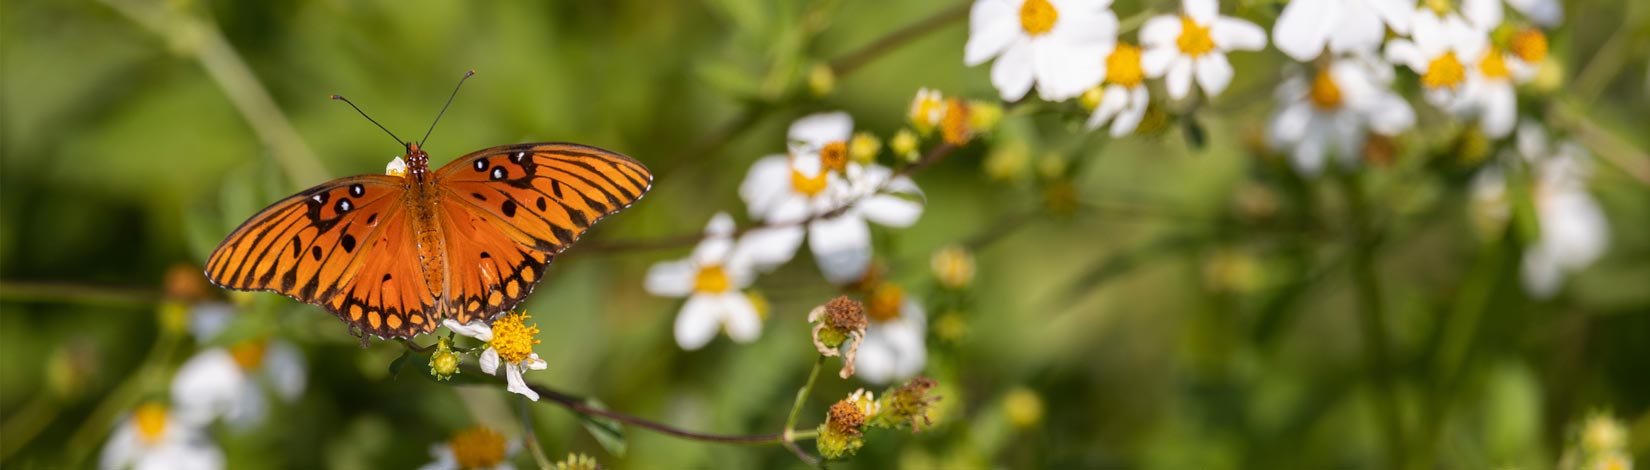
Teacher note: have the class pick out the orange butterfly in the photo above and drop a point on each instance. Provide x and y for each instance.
(394, 255)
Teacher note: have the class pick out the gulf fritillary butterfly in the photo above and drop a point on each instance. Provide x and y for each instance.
(394, 255)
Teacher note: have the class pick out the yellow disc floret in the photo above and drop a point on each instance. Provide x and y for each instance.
(150, 419)
(834, 156)
(711, 280)
(1529, 44)
(1325, 93)
(250, 354)
(884, 302)
(513, 339)
(808, 185)
(1038, 16)
(1194, 38)
(1445, 71)
(1123, 66)
(1494, 65)
(477, 447)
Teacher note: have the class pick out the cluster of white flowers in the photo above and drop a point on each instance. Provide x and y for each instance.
(1573, 230)
(815, 191)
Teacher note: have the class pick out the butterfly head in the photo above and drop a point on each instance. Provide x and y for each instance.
(418, 162)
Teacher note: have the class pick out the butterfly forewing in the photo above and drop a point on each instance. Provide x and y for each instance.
(522, 205)
(313, 246)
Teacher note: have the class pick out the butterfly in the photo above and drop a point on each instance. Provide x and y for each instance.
(394, 255)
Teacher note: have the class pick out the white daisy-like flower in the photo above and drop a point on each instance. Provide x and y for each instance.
(229, 382)
(713, 279)
(1489, 94)
(153, 438)
(1334, 111)
(1195, 43)
(476, 448)
(1049, 42)
(1574, 232)
(509, 341)
(795, 193)
(1123, 99)
(1487, 14)
(1443, 48)
(926, 109)
(1307, 27)
(895, 345)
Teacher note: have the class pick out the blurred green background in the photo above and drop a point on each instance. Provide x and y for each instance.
(1198, 307)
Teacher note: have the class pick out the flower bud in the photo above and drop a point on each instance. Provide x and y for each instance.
(578, 462)
(821, 80)
(983, 116)
(904, 145)
(953, 266)
(908, 405)
(443, 362)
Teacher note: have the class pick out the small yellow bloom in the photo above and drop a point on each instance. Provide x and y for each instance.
(904, 145)
(1024, 407)
(512, 338)
(477, 447)
(953, 266)
(864, 147)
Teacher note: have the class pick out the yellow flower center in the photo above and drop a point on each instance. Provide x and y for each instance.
(884, 302)
(925, 109)
(1194, 39)
(1038, 16)
(249, 354)
(1444, 71)
(1494, 65)
(1123, 65)
(477, 447)
(834, 156)
(397, 167)
(711, 280)
(1441, 7)
(955, 130)
(151, 422)
(513, 339)
(953, 266)
(1529, 44)
(1325, 93)
(808, 185)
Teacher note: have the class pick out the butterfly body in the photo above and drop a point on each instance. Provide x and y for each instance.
(394, 255)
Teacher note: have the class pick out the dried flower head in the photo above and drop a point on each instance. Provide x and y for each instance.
(843, 431)
(840, 322)
(908, 405)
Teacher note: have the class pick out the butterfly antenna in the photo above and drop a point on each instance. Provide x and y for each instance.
(398, 140)
(467, 76)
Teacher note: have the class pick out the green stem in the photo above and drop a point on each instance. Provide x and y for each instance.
(1372, 320)
(789, 434)
(64, 292)
(84, 440)
(531, 436)
(23, 425)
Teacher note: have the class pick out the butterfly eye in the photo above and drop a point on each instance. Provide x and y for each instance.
(499, 173)
(481, 165)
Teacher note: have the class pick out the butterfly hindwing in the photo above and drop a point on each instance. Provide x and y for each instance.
(525, 204)
(315, 245)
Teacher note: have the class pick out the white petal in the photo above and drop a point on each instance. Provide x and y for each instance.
(1301, 31)
(1130, 118)
(1407, 53)
(122, 447)
(841, 246)
(1542, 277)
(1484, 14)
(741, 320)
(1359, 29)
(1160, 31)
(1156, 61)
(489, 361)
(768, 178)
(1547, 13)
(1064, 71)
(1179, 78)
(1349, 139)
(1468, 41)
(669, 278)
(1532, 140)
(720, 225)
(1214, 73)
(1112, 101)
(1082, 27)
(207, 386)
(535, 362)
(1573, 227)
(1235, 34)
(512, 376)
(992, 26)
(891, 210)
(1500, 110)
(1396, 13)
(1012, 71)
(712, 250)
(207, 319)
(1288, 126)
(1308, 157)
(285, 368)
(475, 329)
(819, 129)
(698, 321)
(1390, 114)
(1202, 11)
(764, 249)
(874, 363)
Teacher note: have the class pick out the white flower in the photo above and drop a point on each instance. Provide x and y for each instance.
(1051, 42)
(712, 279)
(224, 382)
(1306, 27)
(1488, 94)
(1574, 232)
(1443, 48)
(510, 341)
(895, 342)
(396, 167)
(1123, 99)
(208, 318)
(1334, 112)
(152, 438)
(794, 194)
(926, 109)
(1195, 42)
(476, 448)
(1487, 14)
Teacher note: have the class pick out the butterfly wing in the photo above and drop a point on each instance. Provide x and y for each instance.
(345, 245)
(514, 207)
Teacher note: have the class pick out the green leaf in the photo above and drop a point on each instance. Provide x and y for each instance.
(1196, 136)
(608, 433)
(399, 362)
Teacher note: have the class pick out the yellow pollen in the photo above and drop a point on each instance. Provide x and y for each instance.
(151, 422)
(477, 447)
(397, 167)
(513, 339)
(1038, 16)
(1123, 66)
(884, 303)
(1194, 39)
(834, 156)
(1494, 65)
(955, 130)
(249, 354)
(1444, 71)
(711, 280)
(1325, 93)
(808, 185)
(1529, 44)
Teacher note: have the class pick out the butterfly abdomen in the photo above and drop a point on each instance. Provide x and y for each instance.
(421, 206)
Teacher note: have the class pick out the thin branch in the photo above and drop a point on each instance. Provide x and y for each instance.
(1610, 147)
(531, 436)
(66, 292)
(852, 61)
(796, 410)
